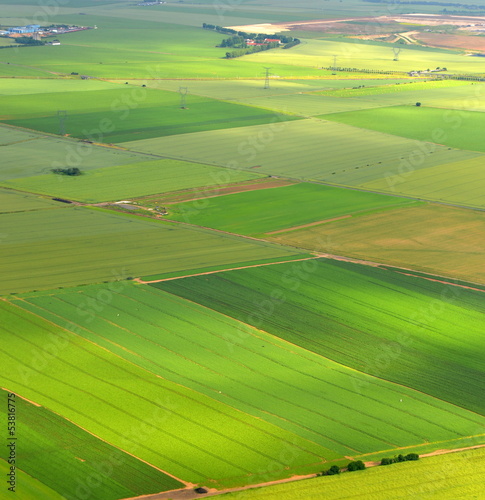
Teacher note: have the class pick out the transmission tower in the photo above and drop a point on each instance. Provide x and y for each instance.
(396, 51)
(266, 81)
(183, 96)
(62, 116)
(334, 63)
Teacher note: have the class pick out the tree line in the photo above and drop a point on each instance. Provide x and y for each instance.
(359, 465)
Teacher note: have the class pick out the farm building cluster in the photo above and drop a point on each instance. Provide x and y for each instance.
(36, 31)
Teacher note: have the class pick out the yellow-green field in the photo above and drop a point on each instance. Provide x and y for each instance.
(445, 477)
(437, 239)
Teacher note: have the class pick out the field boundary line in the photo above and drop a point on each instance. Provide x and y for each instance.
(139, 280)
(294, 228)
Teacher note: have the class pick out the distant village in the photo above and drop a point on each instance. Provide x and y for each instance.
(32, 34)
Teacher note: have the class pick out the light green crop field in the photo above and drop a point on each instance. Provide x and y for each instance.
(11, 135)
(459, 182)
(24, 87)
(455, 128)
(248, 89)
(129, 113)
(457, 475)
(9, 70)
(79, 455)
(26, 154)
(52, 248)
(427, 88)
(155, 420)
(449, 94)
(128, 181)
(254, 372)
(447, 241)
(313, 149)
(350, 54)
(12, 201)
(309, 105)
(412, 331)
(264, 210)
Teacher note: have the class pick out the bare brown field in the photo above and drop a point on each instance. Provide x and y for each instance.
(466, 42)
(441, 240)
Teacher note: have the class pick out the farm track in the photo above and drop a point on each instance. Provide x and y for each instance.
(189, 494)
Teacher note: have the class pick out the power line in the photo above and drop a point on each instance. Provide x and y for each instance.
(183, 96)
(266, 81)
(62, 117)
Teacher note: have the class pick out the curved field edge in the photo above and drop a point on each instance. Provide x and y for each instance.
(89, 465)
(343, 410)
(405, 329)
(156, 420)
(455, 475)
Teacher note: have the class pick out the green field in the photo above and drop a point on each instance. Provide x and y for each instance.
(53, 85)
(264, 210)
(154, 419)
(428, 88)
(128, 181)
(84, 459)
(458, 182)
(254, 372)
(26, 154)
(31, 488)
(436, 239)
(248, 89)
(53, 248)
(125, 114)
(327, 151)
(458, 129)
(252, 279)
(11, 201)
(445, 477)
(412, 331)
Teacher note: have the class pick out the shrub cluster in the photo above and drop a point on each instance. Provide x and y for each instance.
(67, 171)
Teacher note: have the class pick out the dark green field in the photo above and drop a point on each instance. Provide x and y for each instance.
(84, 460)
(264, 210)
(128, 113)
(412, 331)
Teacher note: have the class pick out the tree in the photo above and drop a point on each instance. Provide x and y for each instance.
(418, 104)
(387, 461)
(357, 465)
(335, 469)
(412, 456)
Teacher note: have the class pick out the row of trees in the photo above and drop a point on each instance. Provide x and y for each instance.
(400, 458)
(359, 465)
(257, 37)
(251, 50)
(359, 70)
(27, 40)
